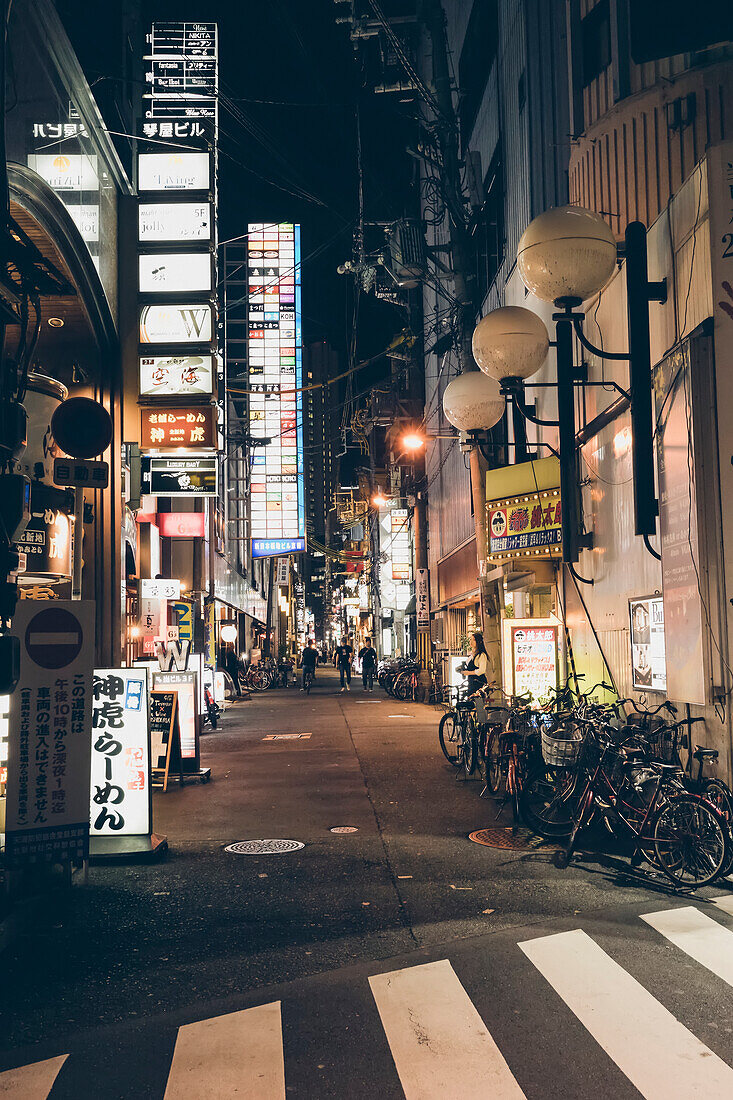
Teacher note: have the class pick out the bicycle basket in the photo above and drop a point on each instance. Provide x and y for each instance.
(489, 714)
(561, 751)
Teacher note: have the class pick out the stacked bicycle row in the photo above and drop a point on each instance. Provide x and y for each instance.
(574, 762)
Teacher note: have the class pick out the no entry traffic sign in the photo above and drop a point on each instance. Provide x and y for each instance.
(54, 638)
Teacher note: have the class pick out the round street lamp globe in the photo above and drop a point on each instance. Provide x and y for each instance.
(510, 342)
(566, 253)
(229, 633)
(472, 402)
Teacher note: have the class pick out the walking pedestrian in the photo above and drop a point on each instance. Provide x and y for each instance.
(344, 654)
(368, 658)
(309, 660)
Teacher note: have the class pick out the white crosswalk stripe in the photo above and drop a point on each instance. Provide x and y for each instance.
(439, 1043)
(657, 1053)
(238, 1055)
(33, 1082)
(699, 936)
(725, 902)
(441, 1047)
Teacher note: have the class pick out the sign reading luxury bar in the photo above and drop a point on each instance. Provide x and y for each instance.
(180, 476)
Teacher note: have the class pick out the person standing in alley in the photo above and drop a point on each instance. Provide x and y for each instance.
(344, 654)
(368, 658)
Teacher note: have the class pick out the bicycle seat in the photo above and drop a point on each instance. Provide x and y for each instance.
(705, 754)
(464, 704)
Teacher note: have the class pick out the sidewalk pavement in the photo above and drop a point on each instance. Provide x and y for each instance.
(202, 923)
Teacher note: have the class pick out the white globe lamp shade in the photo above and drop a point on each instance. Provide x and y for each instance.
(510, 342)
(229, 633)
(472, 402)
(566, 254)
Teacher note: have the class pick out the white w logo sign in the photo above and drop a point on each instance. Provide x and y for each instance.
(193, 320)
(173, 653)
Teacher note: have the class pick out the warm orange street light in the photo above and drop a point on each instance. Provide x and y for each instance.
(413, 441)
(378, 500)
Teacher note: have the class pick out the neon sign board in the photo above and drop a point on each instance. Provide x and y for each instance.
(275, 366)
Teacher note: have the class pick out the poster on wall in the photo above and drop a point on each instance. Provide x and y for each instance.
(648, 655)
(120, 778)
(534, 660)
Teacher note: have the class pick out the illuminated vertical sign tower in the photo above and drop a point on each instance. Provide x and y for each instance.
(275, 378)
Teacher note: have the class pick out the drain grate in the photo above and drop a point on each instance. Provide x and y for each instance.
(521, 841)
(264, 847)
(344, 829)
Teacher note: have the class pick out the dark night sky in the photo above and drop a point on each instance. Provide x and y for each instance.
(291, 52)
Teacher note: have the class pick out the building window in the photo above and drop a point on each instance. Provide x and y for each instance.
(488, 233)
(595, 32)
(477, 57)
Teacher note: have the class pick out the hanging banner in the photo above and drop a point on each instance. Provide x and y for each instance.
(120, 773)
(422, 600)
(49, 733)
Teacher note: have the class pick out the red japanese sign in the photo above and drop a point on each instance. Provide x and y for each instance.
(167, 428)
(181, 525)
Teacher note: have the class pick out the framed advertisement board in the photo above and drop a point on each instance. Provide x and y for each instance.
(648, 657)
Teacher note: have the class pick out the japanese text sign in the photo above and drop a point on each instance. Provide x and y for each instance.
(525, 526)
(49, 733)
(189, 426)
(120, 772)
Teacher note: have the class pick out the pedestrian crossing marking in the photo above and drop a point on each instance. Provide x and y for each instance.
(440, 1045)
(724, 902)
(33, 1082)
(238, 1055)
(657, 1053)
(699, 936)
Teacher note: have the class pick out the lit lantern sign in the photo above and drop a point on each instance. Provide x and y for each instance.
(191, 426)
(174, 272)
(274, 354)
(188, 323)
(176, 375)
(173, 171)
(174, 221)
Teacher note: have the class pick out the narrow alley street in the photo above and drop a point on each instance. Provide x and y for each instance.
(399, 959)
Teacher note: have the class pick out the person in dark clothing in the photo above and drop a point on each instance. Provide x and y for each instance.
(231, 664)
(309, 660)
(344, 654)
(368, 658)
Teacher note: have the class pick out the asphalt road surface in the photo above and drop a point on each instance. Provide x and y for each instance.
(400, 960)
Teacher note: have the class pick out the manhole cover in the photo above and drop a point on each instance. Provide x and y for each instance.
(264, 847)
(521, 841)
(344, 829)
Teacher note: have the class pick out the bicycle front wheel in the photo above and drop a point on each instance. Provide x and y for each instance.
(448, 735)
(689, 841)
(493, 760)
(546, 802)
